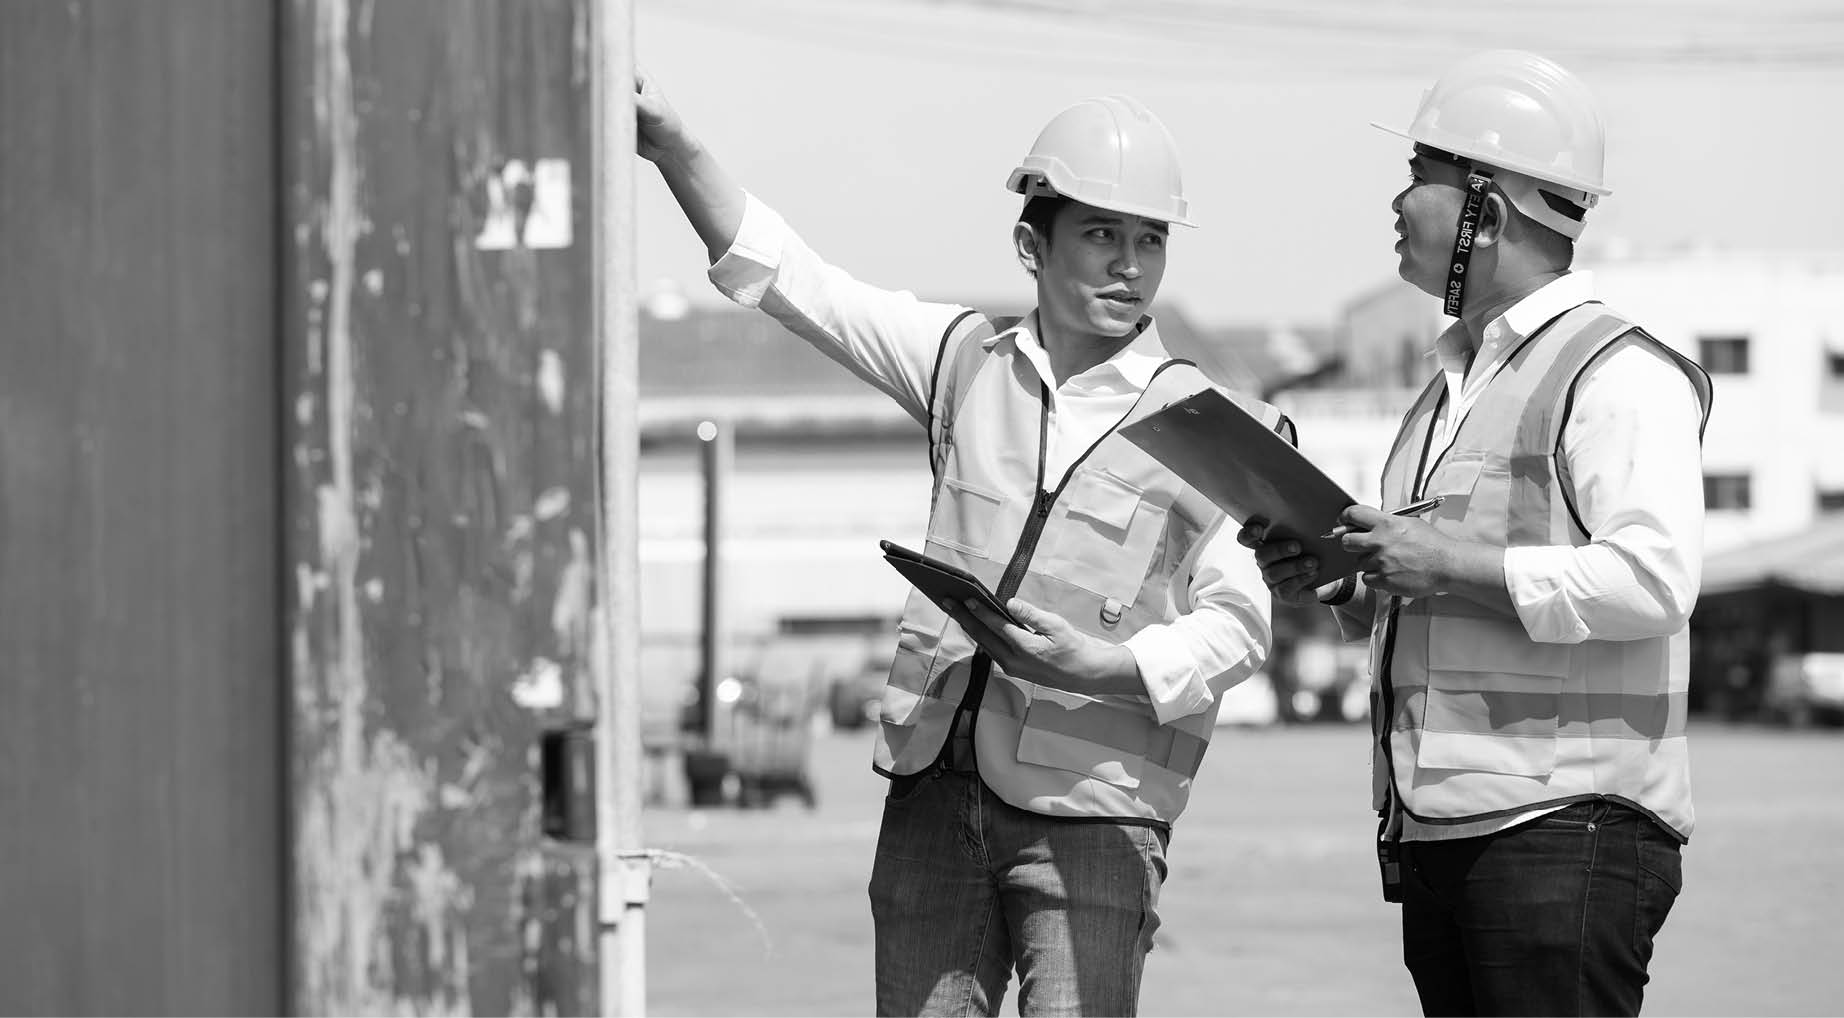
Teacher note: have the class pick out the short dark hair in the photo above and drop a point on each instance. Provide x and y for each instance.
(1040, 212)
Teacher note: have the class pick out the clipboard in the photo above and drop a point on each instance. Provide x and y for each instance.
(1249, 470)
(941, 580)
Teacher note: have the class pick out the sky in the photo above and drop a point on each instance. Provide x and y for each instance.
(884, 130)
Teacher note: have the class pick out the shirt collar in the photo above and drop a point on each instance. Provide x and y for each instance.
(1134, 364)
(1503, 333)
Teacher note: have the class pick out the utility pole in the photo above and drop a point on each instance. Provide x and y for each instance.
(624, 868)
(715, 454)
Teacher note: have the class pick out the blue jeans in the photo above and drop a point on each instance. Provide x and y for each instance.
(966, 887)
(1552, 917)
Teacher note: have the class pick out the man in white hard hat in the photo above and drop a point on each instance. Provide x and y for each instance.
(1034, 775)
(1528, 635)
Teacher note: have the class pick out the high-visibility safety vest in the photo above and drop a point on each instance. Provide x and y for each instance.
(1473, 719)
(1101, 547)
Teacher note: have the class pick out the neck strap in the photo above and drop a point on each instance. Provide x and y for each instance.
(1478, 183)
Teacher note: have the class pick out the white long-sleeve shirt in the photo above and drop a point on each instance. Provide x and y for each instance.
(1631, 444)
(1636, 464)
(890, 339)
(1633, 453)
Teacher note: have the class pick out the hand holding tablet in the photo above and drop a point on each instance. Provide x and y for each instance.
(942, 581)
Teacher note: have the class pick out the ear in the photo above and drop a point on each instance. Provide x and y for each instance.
(1028, 246)
(1494, 219)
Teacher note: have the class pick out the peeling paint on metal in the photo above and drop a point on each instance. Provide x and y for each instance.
(572, 621)
(527, 207)
(552, 504)
(520, 530)
(570, 613)
(540, 687)
(550, 381)
(362, 792)
(304, 587)
(437, 630)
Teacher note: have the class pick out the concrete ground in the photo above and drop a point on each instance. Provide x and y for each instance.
(1271, 907)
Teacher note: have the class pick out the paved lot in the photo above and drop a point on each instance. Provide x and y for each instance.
(1271, 907)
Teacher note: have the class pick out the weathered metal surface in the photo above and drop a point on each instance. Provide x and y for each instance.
(140, 686)
(440, 503)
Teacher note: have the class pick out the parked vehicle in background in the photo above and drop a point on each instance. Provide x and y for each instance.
(1317, 678)
(854, 691)
(1250, 703)
(763, 732)
(1803, 688)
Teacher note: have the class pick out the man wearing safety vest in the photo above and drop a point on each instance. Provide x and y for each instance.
(1528, 635)
(1034, 775)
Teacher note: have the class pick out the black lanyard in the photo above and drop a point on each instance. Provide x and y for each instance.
(1478, 182)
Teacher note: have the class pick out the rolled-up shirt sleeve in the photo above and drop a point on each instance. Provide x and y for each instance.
(1221, 637)
(888, 338)
(1632, 450)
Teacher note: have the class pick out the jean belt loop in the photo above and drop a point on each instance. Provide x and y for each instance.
(960, 756)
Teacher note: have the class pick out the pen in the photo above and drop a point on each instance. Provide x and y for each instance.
(1412, 509)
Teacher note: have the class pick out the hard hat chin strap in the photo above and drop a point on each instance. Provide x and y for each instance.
(1478, 183)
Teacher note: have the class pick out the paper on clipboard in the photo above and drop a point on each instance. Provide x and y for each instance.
(1248, 470)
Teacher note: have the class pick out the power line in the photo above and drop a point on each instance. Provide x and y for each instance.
(1807, 37)
(1190, 40)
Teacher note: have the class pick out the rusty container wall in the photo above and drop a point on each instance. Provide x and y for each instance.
(141, 848)
(439, 503)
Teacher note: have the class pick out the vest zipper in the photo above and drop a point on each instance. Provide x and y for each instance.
(1386, 699)
(1013, 577)
(1020, 562)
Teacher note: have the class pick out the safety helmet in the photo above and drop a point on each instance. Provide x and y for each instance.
(1522, 113)
(1109, 152)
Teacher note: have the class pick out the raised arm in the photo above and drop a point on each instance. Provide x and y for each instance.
(712, 202)
(888, 338)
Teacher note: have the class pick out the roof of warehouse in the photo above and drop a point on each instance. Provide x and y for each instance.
(1811, 560)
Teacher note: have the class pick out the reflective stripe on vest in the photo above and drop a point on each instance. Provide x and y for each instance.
(1107, 558)
(1483, 721)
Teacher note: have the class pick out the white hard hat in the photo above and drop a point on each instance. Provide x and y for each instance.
(1524, 113)
(1109, 152)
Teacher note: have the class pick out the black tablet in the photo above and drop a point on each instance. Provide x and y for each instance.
(941, 580)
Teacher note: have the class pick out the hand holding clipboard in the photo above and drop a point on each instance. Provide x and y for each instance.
(1250, 472)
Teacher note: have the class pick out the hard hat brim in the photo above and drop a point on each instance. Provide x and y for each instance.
(1518, 166)
(1022, 179)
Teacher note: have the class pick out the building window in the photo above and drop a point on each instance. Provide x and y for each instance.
(1723, 355)
(1831, 501)
(1726, 491)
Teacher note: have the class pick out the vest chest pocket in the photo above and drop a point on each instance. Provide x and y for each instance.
(1455, 479)
(966, 517)
(1104, 537)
